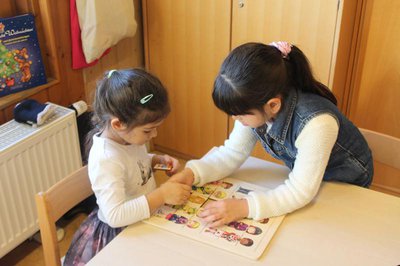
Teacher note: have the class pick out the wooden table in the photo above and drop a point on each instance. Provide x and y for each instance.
(343, 225)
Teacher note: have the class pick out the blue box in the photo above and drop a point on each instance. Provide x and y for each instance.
(21, 64)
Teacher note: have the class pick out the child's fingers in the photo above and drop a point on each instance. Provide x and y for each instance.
(182, 189)
(216, 223)
(209, 214)
(185, 190)
(170, 165)
(184, 195)
(170, 173)
(185, 187)
(171, 161)
(168, 160)
(210, 205)
(176, 193)
(175, 164)
(213, 217)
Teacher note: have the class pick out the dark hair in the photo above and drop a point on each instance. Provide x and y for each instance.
(119, 94)
(253, 73)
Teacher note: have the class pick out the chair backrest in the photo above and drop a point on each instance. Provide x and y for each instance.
(385, 149)
(54, 203)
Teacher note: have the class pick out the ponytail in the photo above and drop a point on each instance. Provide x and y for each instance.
(88, 141)
(300, 73)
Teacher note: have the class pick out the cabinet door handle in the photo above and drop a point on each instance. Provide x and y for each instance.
(241, 3)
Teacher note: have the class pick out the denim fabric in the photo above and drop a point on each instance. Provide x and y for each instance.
(350, 160)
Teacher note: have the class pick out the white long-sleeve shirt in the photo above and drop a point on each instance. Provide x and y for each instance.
(314, 145)
(121, 176)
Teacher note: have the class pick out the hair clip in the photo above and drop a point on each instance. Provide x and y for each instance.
(110, 73)
(146, 98)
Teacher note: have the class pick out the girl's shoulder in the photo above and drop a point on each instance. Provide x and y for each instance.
(106, 149)
(306, 99)
(309, 104)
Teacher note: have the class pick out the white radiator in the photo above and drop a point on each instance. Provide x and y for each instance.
(32, 160)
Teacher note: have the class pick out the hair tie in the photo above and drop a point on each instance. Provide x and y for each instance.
(146, 98)
(110, 73)
(284, 47)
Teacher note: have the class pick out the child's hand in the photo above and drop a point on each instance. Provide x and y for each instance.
(175, 193)
(169, 161)
(222, 212)
(185, 177)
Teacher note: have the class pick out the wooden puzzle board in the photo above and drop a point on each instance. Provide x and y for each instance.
(245, 237)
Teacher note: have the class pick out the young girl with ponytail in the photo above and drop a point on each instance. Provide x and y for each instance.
(271, 93)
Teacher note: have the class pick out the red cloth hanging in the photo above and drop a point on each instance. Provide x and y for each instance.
(78, 58)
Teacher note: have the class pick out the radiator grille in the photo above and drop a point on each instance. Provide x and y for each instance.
(32, 160)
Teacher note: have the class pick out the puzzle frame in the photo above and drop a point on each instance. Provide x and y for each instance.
(245, 237)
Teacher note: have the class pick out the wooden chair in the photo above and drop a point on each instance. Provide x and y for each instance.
(386, 152)
(54, 203)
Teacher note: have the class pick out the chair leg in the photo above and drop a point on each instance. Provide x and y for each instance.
(60, 235)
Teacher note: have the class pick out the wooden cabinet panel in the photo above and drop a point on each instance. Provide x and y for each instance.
(309, 24)
(376, 83)
(374, 102)
(186, 42)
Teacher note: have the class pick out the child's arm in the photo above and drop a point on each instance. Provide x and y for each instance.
(168, 193)
(117, 209)
(224, 160)
(314, 145)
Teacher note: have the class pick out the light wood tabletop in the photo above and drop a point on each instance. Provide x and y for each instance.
(343, 225)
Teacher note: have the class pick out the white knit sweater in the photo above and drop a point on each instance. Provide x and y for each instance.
(314, 146)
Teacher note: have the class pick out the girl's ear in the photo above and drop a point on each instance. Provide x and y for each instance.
(117, 125)
(273, 106)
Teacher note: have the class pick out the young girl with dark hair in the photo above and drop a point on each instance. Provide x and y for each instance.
(271, 93)
(129, 105)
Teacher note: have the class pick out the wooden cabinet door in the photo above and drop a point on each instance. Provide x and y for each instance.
(185, 44)
(309, 24)
(374, 99)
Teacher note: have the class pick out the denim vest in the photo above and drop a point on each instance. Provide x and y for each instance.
(350, 160)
